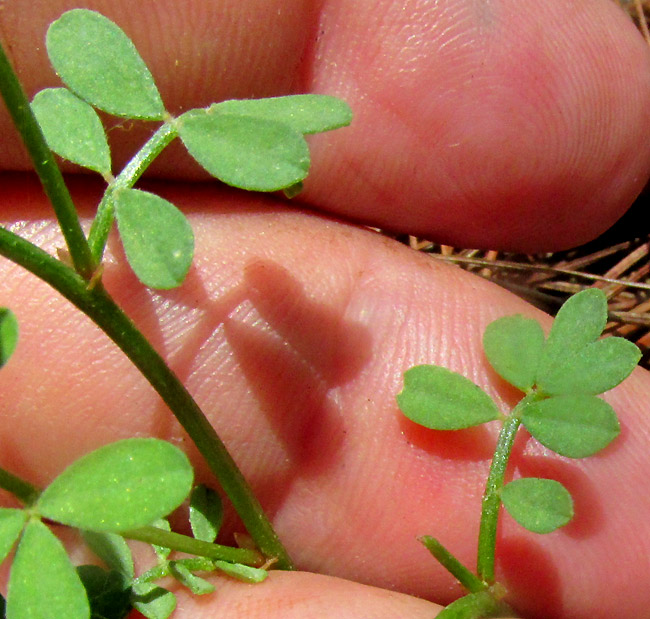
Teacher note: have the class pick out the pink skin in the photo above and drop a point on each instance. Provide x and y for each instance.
(293, 330)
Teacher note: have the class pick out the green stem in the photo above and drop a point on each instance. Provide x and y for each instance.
(453, 565)
(487, 536)
(183, 543)
(103, 221)
(46, 168)
(100, 307)
(23, 490)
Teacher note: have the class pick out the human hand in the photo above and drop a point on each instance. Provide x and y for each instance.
(492, 128)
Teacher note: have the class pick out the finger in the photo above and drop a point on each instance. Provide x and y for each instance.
(515, 125)
(293, 332)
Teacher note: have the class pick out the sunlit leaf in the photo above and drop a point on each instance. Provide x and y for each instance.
(305, 113)
(11, 524)
(99, 63)
(440, 399)
(196, 584)
(43, 582)
(112, 549)
(539, 505)
(206, 513)
(595, 368)
(579, 322)
(153, 601)
(72, 129)
(157, 238)
(124, 485)
(251, 153)
(513, 346)
(8, 334)
(108, 592)
(245, 573)
(574, 425)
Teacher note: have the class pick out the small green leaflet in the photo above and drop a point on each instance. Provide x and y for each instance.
(8, 334)
(539, 505)
(121, 486)
(575, 425)
(153, 601)
(157, 238)
(480, 605)
(245, 573)
(251, 153)
(440, 399)
(11, 524)
(43, 582)
(196, 584)
(72, 129)
(112, 549)
(100, 64)
(305, 113)
(513, 345)
(206, 513)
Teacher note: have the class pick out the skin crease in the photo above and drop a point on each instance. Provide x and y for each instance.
(293, 330)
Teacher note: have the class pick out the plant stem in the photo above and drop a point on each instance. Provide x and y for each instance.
(23, 490)
(100, 307)
(453, 565)
(46, 168)
(103, 221)
(191, 545)
(487, 536)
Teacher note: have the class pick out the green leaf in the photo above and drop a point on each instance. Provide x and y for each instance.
(573, 425)
(245, 573)
(8, 334)
(479, 605)
(72, 129)
(98, 62)
(256, 154)
(43, 582)
(108, 592)
(513, 345)
(579, 322)
(206, 513)
(112, 549)
(304, 113)
(595, 368)
(440, 399)
(161, 551)
(539, 505)
(121, 486)
(196, 584)
(153, 601)
(11, 524)
(157, 238)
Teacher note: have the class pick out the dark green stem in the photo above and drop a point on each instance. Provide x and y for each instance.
(46, 168)
(183, 543)
(100, 307)
(453, 565)
(103, 221)
(487, 536)
(23, 490)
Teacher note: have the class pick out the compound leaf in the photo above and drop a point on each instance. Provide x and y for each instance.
(157, 238)
(573, 425)
(112, 549)
(539, 505)
(99, 63)
(153, 601)
(11, 524)
(304, 113)
(124, 485)
(43, 582)
(440, 399)
(8, 334)
(595, 368)
(513, 345)
(72, 129)
(206, 513)
(251, 153)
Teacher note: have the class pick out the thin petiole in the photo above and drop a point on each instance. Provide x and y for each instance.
(103, 221)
